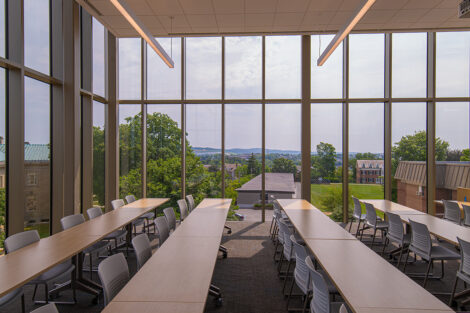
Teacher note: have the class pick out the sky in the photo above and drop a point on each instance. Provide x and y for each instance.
(243, 81)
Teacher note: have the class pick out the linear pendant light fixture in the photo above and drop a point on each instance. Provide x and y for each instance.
(122, 7)
(343, 32)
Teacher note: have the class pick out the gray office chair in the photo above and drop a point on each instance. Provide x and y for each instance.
(191, 203)
(466, 215)
(396, 234)
(170, 218)
(163, 230)
(287, 252)
(276, 208)
(421, 245)
(97, 250)
(13, 296)
(114, 274)
(183, 207)
(279, 239)
(463, 273)
(52, 276)
(357, 215)
(373, 222)
(116, 204)
(142, 248)
(321, 297)
(48, 308)
(451, 211)
(343, 309)
(117, 236)
(147, 217)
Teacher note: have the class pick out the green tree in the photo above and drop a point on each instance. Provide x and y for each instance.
(465, 155)
(324, 162)
(253, 165)
(98, 165)
(283, 165)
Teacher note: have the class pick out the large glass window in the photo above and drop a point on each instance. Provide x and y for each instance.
(36, 35)
(327, 80)
(2, 29)
(204, 68)
(409, 65)
(3, 160)
(283, 67)
(130, 150)
(366, 65)
(203, 152)
(98, 36)
(242, 153)
(129, 68)
(164, 151)
(37, 155)
(409, 154)
(243, 56)
(452, 64)
(98, 153)
(164, 82)
(327, 147)
(366, 150)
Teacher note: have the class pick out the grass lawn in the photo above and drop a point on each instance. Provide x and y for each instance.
(43, 229)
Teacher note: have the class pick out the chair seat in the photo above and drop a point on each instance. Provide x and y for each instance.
(336, 306)
(442, 253)
(97, 247)
(362, 217)
(11, 296)
(138, 221)
(379, 225)
(55, 272)
(460, 275)
(149, 215)
(406, 239)
(115, 234)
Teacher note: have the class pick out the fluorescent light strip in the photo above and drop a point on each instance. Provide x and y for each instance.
(122, 7)
(361, 11)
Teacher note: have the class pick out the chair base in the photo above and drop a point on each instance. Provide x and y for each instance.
(215, 292)
(224, 251)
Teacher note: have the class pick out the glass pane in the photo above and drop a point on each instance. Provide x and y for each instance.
(203, 152)
(452, 152)
(243, 56)
(164, 82)
(409, 144)
(164, 152)
(129, 68)
(204, 68)
(327, 153)
(283, 65)
(366, 65)
(242, 153)
(37, 155)
(409, 65)
(3, 164)
(452, 64)
(36, 35)
(98, 58)
(283, 150)
(2, 29)
(366, 150)
(327, 80)
(98, 153)
(130, 150)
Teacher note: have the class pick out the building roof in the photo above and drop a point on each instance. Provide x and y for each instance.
(32, 152)
(275, 182)
(449, 175)
(370, 164)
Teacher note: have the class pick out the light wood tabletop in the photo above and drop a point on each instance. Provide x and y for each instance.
(388, 206)
(367, 281)
(310, 222)
(153, 307)
(23, 265)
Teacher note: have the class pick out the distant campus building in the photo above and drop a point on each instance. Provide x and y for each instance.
(280, 185)
(369, 171)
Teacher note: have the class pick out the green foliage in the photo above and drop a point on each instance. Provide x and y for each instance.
(98, 165)
(253, 166)
(465, 155)
(283, 165)
(332, 201)
(2, 216)
(324, 162)
(453, 155)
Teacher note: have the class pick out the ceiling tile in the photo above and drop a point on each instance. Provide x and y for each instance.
(377, 16)
(324, 5)
(388, 5)
(117, 21)
(258, 29)
(408, 16)
(341, 17)
(316, 18)
(371, 26)
(150, 21)
(201, 20)
(178, 21)
(165, 7)
(105, 7)
(259, 20)
(229, 6)
(140, 7)
(394, 25)
(158, 32)
(282, 29)
(228, 30)
(421, 4)
(288, 19)
(260, 6)
(197, 7)
(423, 25)
(438, 15)
(288, 6)
(126, 32)
(313, 28)
(182, 30)
(448, 4)
(457, 23)
(350, 5)
(230, 20)
(206, 30)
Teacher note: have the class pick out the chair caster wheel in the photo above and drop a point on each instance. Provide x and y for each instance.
(225, 255)
(219, 301)
(229, 232)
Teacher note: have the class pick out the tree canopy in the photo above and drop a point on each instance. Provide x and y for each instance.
(283, 165)
(323, 164)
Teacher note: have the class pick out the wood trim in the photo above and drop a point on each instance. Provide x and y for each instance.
(306, 119)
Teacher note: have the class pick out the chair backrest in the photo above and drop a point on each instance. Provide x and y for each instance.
(464, 256)
(71, 221)
(321, 297)
(371, 215)
(301, 271)
(191, 203)
(20, 240)
(466, 214)
(343, 309)
(48, 308)
(451, 211)
(183, 209)
(163, 230)
(357, 208)
(278, 217)
(116, 204)
(395, 227)
(287, 244)
(170, 217)
(114, 274)
(420, 238)
(130, 198)
(142, 248)
(94, 212)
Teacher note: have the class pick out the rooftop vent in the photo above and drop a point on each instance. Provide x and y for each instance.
(464, 9)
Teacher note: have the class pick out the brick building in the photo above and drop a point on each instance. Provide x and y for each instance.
(369, 171)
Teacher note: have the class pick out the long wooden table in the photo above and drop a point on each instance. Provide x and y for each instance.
(366, 281)
(21, 266)
(177, 277)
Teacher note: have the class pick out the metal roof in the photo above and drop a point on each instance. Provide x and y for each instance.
(32, 152)
(275, 182)
(370, 164)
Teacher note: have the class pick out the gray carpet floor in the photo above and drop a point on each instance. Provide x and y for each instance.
(248, 277)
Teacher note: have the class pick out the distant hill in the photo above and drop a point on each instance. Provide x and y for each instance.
(207, 150)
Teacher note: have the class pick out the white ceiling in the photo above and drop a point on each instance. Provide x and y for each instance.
(205, 17)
